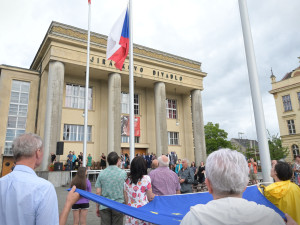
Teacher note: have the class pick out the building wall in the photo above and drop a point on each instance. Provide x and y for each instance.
(97, 118)
(42, 103)
(67, 45)
(75, 117)
(8, 74)
(98, 115)
(289, 86)
(186, 126)
(150, 120)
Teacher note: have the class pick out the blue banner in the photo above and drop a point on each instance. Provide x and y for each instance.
(171, 209)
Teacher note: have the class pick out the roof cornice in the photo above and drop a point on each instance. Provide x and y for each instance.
(74, 33)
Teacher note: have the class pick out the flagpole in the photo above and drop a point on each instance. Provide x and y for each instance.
(86, 87)
(256, 96)
(131, 87)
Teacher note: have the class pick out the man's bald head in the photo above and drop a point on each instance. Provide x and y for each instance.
(154, 164)
(163, 161)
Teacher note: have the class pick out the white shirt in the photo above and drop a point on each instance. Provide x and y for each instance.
(27, 199)
(231, 211)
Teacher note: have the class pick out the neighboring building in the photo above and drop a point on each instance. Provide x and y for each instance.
(286, 93)
(244, 144)
(48, 99)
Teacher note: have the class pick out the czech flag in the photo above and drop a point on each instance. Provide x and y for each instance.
(118, 41)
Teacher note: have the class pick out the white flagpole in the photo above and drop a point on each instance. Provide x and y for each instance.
(256, 96)
(86, 89)
(131, 87)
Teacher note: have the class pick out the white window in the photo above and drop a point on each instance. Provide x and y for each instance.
(125, 139)
(17, 114)
(298, 94)
(291, 127)
(171, 106)
(295, 150)
(76, 132)
(287, 104)
(173, 138)
(125, 103)
(75, 97)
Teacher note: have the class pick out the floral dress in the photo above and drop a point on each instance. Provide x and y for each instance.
(137, 197)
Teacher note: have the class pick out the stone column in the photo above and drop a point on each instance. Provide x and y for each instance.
(53, 110)
(114, 113)
(198, 127)
(161, 119)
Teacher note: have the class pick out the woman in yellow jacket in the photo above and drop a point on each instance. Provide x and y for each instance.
(283, 193)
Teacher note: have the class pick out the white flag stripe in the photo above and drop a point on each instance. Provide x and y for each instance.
(115, 35)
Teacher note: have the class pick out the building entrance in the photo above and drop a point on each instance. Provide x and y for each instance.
(137, 151)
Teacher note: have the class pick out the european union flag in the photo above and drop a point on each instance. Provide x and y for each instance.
(171, 209)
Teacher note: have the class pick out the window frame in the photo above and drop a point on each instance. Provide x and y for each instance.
(76, 133)
(78, 98)
(17, 113)
(171, 108)
(291, 126)
(295, 150)
(125, 103)
(298, 95)
(125, 139)
(173, 138)
(287, 103)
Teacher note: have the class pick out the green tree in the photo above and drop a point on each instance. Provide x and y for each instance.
(276, 150)
(252, 153)
(215, 138)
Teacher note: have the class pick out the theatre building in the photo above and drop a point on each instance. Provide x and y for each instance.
(48, 99)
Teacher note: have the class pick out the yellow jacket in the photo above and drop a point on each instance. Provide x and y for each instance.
(286, 196)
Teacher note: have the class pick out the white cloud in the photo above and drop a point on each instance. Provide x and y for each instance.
(206, 31)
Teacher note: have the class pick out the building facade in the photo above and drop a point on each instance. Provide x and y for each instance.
(286, 94)
(48, 99)
(243, 144)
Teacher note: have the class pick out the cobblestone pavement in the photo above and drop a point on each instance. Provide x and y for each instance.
(91, 217)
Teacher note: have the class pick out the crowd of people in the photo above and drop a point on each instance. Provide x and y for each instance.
(73, 162)
(29, 199)
(227, 176)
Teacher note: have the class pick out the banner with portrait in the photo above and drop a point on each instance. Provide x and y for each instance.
(125, 125)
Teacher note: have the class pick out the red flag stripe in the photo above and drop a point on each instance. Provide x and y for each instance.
(89, 1)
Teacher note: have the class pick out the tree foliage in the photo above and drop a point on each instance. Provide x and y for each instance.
(215, 137)
(252, 153)
(277, 151)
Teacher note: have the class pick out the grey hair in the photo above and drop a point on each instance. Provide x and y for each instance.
(185, 160)
(161, 162)
(227, 171)
(25, 145)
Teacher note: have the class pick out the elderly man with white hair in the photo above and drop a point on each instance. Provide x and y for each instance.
(226, 179)
(164, 181)
(186, 177)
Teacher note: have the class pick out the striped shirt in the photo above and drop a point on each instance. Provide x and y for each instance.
(164, 181)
